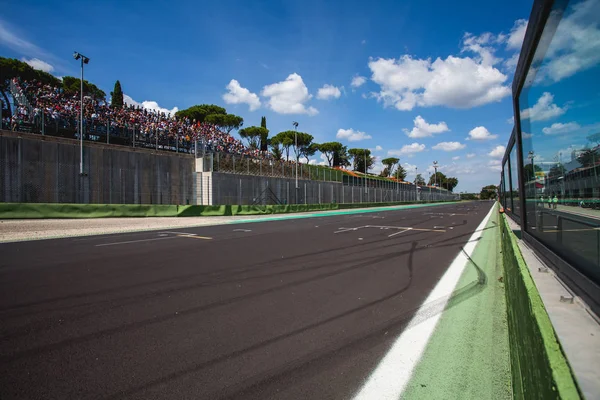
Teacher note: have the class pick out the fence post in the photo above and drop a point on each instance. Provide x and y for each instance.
(248, 166)
(240, 192)
(319, 190)
(133, 137)
(233, 158)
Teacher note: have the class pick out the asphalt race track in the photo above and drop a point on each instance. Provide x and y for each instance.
(292, 309)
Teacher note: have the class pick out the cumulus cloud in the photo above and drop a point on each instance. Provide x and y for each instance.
(449, 146)
(358, 81)
(239, 95)
(149, 105)
(328, 92)
(470, 155)
(497, 152)
(575, 46)
(351, 135)
(516, 35)
(36, 63)
(543, 109)
(559, 128)
(423, 129)
(456, 158)
(408, 149)
(378, 148)
(455, 82)
(481, 133)
(289, 96)
(527, 135)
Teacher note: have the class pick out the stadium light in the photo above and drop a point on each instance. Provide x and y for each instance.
(84, 60)
(297, 158)
(435, 167)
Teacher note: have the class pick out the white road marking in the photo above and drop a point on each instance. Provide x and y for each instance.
(136, 241)
(195, 237)
(242, 230)
(390, 378)
(180, 233)
(399, 232)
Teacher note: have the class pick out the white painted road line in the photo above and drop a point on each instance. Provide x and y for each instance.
(392, 374)
(242, 230)
(136, 241)
(180, 233)
(399, 232)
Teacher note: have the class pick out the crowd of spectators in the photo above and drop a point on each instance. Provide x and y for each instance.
(147, 126)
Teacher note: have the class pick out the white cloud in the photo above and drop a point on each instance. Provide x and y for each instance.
(323, 160)
(149, 105)
(527, 135)
(449, 146)
(517, 34)
(327, 92)
(36, 63)
(358, 81)
(351, 135)
(511, 63)
(455, 82)
(423, 129)
(378, 148)
(407, 149)
(471, 155)
(543, 109)
(495, 162)
(497, 152)
(482, 46)
(363, 41)
(13, 41)
(481, 133)
(456, 158)
(558, 128)
(312, 161)
(239, 95)
(575, 46)
(289, 96)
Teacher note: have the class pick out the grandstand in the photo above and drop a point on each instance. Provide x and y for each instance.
(46, 109)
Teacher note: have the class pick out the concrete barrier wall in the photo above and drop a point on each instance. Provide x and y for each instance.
(35, 169)
(538, 365)
(250, 189)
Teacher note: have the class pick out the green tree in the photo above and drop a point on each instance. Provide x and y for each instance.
(264, 139)
(451, 183)
(116, 96)
(329, 149)
(437, 178)
(285, 139)
(72, 85)
(253, 135)
(305, 146)
(528, 171)
(419, 180)
(359, 157)
(341, 158)
(400, 173)
(389, 163)
(275, 148)
(227, 122)
(488, 192)
(200, 112)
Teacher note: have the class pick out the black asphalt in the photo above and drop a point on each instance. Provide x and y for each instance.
(284, 309)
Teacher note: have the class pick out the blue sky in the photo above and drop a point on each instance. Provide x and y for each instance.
(429, 72)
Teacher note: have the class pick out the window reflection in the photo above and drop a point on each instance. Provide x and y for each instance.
(560, 128)
(514, 179)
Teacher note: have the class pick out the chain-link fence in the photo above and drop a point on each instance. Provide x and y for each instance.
(39, 171)
(226, 188)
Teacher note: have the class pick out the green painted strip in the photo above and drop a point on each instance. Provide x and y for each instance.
(344, 212)
(540, 369)
(468, 355)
